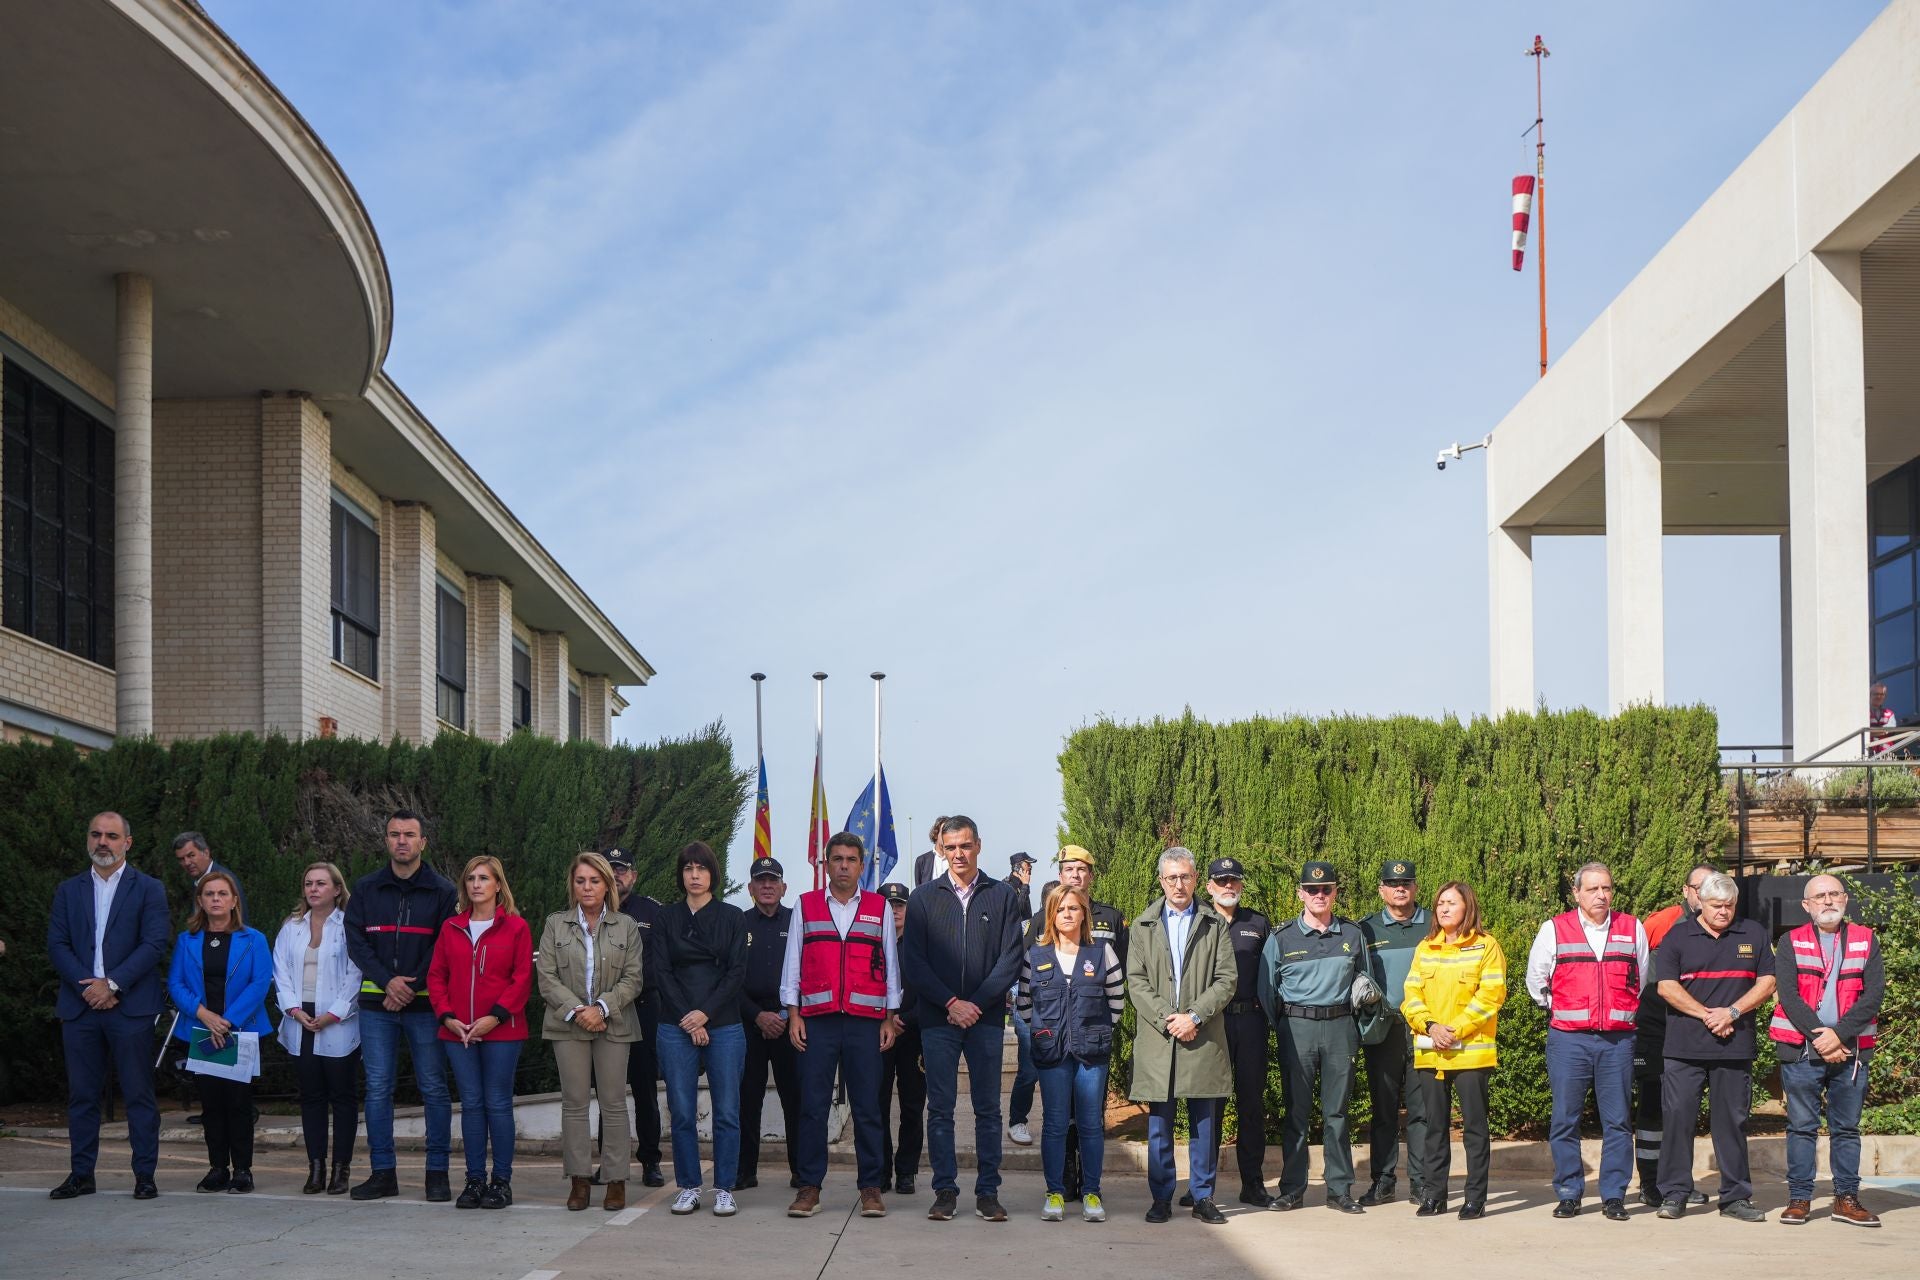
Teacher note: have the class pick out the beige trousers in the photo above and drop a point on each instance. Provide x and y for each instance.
(581, 1064)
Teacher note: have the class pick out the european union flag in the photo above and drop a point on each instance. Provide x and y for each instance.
(874, 825)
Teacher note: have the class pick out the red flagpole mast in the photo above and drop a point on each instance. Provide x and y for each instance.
(1539, 54)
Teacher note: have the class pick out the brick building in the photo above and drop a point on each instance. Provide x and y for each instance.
(220, 514)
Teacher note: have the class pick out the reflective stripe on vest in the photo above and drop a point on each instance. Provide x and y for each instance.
(1849, 982)
(843, 975)
(1590, 993)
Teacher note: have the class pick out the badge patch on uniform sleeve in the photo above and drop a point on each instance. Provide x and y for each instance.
(1745, 949)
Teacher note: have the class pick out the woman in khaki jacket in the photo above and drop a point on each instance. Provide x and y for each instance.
(589, 972)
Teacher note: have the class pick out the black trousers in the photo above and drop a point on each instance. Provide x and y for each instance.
(1391, 1084)
(762, 1054)
(1728, 1084)
(901, 1069)
(227, 1116)
(643, 1077)
(1649, 1119)
(1432, 1165)
(326, 1088)
(1249, 1042)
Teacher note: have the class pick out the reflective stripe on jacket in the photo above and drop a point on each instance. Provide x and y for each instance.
(1856, 944)
(1589, 993)
(1461, 985)
(843, 975)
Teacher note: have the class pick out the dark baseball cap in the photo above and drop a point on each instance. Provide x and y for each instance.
(619, 859)
(1318, 873)
(1021, 859)
(893, 891)
(1226, 869)
(766, 867)
(1395, 870)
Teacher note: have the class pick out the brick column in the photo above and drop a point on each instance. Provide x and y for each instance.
(550, 668)
(133, 506)
(413, 541)
(296, 548)
(596, 708)
(490, 698)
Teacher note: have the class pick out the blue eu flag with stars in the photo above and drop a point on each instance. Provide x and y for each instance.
(873, 823)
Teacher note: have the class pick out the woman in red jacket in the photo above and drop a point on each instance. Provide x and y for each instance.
(481, 976)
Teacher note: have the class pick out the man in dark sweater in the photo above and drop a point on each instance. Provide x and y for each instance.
(959, 956)
(765, 1021)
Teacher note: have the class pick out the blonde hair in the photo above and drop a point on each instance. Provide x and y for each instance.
(503, 900)
(1049, 930)
(197, 922)
(340, 891)
(598, 864)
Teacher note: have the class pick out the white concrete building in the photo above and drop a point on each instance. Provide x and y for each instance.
(1761, 376)
(219, 513)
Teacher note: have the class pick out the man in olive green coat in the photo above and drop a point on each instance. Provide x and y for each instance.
(1180, 976)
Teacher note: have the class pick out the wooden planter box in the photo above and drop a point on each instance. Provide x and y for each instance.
(1840, 835)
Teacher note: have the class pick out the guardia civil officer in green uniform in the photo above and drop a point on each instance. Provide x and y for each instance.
(1392, 933)
(1307, 972)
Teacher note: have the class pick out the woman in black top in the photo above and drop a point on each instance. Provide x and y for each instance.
(705, 945)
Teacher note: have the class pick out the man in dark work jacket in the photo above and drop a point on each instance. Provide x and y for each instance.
(959, 956)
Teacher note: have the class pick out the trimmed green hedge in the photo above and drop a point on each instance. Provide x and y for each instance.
(1511, 806)
(269, 806)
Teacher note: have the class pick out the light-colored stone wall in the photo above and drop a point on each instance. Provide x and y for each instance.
(296, 574)
(596, 709)
(551, 671)
(206, 567)
(57, 355)
(51, 680)
(490, 657)
(411, 537)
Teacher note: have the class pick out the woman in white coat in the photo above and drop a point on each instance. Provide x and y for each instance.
(319, 991)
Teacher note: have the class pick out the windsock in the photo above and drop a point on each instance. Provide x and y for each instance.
(1522, 215)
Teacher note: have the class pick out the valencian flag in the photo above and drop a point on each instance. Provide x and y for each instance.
(873, 823)
(818, 832)
(762, 818)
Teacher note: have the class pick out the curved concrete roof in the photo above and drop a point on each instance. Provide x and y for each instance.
(136, 136)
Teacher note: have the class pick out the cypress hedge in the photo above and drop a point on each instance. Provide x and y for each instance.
(1511, 806)
(268, 807)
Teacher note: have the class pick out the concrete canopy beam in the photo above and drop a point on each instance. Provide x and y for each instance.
(1636, 625)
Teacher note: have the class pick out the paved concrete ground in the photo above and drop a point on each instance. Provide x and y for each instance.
(280, 1232)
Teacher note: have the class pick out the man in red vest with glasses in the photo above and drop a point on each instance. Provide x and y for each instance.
(841, 986)
(1587, 968)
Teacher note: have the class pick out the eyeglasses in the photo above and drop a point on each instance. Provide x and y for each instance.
(1833, 895)
(1171, 878)
(1315, 890)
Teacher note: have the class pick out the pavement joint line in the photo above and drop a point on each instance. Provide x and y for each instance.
(541, 1275)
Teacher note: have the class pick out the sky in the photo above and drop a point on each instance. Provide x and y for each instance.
(1059, 360)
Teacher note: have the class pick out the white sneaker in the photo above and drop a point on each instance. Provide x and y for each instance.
(723, 1205)
(687, 1201)
(1092, 1210)
(1054, 1210)
(1021, 1135)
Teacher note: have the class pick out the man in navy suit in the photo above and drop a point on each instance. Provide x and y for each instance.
(108, 940)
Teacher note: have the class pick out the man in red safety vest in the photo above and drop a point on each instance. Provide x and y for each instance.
(841, 986)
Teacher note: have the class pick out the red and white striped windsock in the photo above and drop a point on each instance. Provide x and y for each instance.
(1522, 215)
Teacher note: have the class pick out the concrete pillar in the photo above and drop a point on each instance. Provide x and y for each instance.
(1786, 638)
(551, 668)
(1827, 499)
(413, 675)
(490, 698)
(1510, 603)
(133, 505)
(1636, 626)
(296, 562)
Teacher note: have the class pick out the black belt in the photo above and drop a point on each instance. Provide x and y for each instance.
(1244, 1006)
(1319, 1012)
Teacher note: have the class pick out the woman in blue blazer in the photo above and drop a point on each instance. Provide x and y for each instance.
(221, 974)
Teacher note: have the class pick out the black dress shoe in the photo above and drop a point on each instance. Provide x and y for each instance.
(1472, 1209)
(1345, 1204)
(1431, 1208)
(1186, 1200)
(1284, 1202)
(337, 1184)
(471, 1193)
(1567, 1209)
(143, 1189)
(380, 1184)
(1209, 1212)
(77, 1184)
(439, 1186)
(650, 1176)
(242, 1182)
(1614, 1210)
(1257, 1198)
(1696, 1197)
(903, 1185)
(1650, 1197)
(747, 1183)
(216, 1180)
(1160, 1211)
(1378, 1193)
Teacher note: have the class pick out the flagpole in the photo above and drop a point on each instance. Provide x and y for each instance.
(879, 810)
(759, 726)
(1540, 55)
(819, 768)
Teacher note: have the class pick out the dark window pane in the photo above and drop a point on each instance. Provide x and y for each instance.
(100, 584)
(103, 634)
(1893, 642)
(522, 705)
(13, 401)
(46, 488)
(46, 551)
(103, 520)
(79, 626)
(573, 714)
(1892, 512)
(356, 569)
(76, 569)
(46, 612)
(453, 640)
(19, 472)
(77, 440)
(1893, 585)
(103, 455)
(79, 509)
(16, 539)
(1900, 695)
(355, 647)
(18, 597)
(43, 416)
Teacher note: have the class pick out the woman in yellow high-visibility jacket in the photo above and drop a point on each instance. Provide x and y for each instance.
(1452, 1004)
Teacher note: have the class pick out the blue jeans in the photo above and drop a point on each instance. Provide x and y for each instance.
(1025, 1074)
(681, 1061)
(1601, 1061)
(380, 1035)
(849, 1046)
(483, 1073)
(1203, 1122)
(940, 1048)
(1073, 1093)
(1844, 1085)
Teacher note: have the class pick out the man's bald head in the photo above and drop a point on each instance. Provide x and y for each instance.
(1825, 901)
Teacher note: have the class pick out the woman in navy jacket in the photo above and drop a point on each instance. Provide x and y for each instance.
(221, 974)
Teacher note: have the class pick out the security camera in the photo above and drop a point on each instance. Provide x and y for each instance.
(1453, 451)
(1441, 461)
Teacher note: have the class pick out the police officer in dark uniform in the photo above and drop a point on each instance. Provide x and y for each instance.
(1392, 934)
(1105, 924)
(643, 1065)
(900, 1068)
(764, 1019)
(1249, 1035)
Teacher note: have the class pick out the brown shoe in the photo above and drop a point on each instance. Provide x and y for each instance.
(871, 1205)
(1795, 1214)
(1849, 1210)
(806, 1203)
(582, 1194)
(616, 1197)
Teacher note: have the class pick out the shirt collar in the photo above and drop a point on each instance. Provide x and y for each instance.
(111, 880)
(1419, 916)
(1333, 925)
(1192, 908)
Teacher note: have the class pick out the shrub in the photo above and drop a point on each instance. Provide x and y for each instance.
(1847, 788)
(1895, 913)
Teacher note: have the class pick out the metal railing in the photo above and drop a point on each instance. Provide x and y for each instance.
(1879, 749)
